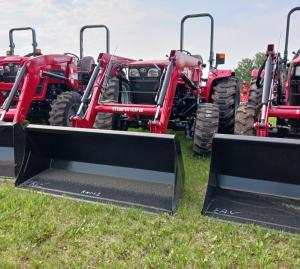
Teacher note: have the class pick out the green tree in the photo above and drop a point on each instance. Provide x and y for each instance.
(259, 59)
(246, 65)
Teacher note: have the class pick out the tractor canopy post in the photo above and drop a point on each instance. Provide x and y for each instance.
(11, 38)
(285, 56)
(94, 26)
(211, 51)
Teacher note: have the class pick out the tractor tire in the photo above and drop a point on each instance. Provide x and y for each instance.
(107, 121)
(207, 124)
(245, 117)
(226, 95)
(255, 96)
(63, 107)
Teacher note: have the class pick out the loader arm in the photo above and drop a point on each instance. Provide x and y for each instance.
(110, 65)
(262, 125)
(28, 80)
(178, 62)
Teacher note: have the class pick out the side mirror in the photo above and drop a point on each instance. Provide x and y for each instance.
(220, 58)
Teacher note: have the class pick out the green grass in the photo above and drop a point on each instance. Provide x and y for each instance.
(38, 231)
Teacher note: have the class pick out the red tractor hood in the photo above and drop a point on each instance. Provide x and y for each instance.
(160, 63)
(12, 59)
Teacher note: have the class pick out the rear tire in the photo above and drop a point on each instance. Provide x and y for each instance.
(207, 123)
(63, 107)
(226, 95)
(245, 118)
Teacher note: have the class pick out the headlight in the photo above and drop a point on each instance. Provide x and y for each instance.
(134, 73)
(153, 73)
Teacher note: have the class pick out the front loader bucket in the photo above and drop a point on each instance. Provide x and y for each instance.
(255, 180)
(126, 168)
(11, 149)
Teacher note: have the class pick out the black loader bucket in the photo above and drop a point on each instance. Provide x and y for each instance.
(255, 180)
(126, 168)
(11, 149)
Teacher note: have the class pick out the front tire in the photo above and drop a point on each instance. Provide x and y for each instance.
(255, 97)
(245, 117)
(63, 107)
(207, 123)
(226, 96)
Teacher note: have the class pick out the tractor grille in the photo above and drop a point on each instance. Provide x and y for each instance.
(144, 87)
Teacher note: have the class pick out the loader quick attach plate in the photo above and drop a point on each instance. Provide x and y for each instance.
(255, 180)
(126, 168)
(11, 139)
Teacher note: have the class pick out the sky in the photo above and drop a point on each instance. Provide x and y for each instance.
(143, 29)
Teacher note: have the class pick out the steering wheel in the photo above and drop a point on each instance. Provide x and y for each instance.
(74, 56)
(187, 52)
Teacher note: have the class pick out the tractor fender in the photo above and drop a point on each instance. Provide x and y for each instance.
(213, 76)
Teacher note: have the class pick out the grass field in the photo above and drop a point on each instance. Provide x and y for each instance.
(38, 231)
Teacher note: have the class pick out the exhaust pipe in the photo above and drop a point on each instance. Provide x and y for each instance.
(126, 168)
(255, 180)
(11, 149)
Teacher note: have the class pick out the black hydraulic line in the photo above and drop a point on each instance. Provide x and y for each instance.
(267, 81)
(11, 38)
(89, 88)
(94, 26)
(166, 82)
(54, 76)
(90, 85)
(188, 81)
(211, 52)
(7, 103)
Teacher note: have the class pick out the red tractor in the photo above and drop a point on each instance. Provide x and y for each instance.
(133, 168)
(39, 88)
(162, 94)
(10, 64)
(47, 88)
(255, 178)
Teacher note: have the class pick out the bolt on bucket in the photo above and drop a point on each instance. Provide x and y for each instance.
(11, 149)
(127, 168)
(255, 180)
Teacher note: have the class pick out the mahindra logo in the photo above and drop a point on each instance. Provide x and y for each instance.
(127, 109)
